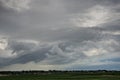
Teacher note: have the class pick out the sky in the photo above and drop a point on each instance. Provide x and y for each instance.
(59, 35)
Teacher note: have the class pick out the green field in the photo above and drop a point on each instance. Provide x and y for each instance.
(62, 76)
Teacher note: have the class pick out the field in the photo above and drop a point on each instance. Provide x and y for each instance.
(63, 76)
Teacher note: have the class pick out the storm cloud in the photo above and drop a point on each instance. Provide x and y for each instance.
(59, 34)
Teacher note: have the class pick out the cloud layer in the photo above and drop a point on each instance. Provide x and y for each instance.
(17, 5)
(61, 34)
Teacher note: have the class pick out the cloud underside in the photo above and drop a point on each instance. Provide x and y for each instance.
(22, 53)
(61, 34)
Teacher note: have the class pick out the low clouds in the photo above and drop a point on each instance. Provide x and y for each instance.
(18, 5)
(25, 52)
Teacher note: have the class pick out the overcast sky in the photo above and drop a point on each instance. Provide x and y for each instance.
(59, 34)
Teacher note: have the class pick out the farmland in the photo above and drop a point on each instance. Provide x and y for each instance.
(61, 75)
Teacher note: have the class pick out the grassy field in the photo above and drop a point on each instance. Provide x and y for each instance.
(62, 76)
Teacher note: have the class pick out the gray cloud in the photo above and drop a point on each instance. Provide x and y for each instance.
(59, 53)
(108, 2)
(26, 51)
(17, 5)
(63, 33)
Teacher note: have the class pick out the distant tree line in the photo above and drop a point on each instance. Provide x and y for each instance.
(41, 72)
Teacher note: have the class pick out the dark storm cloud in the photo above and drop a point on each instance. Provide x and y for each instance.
(42, 32)
(35, 56)
(18, 46)
(26, 52)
